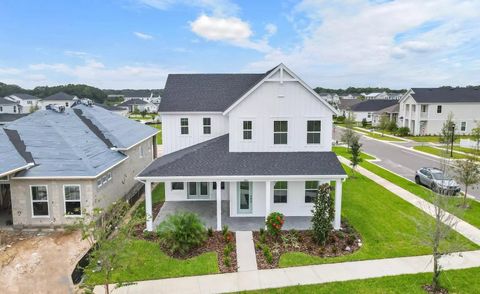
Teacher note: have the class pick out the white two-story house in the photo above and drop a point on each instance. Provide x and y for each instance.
(26, 103)
(256, 142)
(424, 110)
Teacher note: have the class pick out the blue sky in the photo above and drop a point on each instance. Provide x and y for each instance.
(136, 43)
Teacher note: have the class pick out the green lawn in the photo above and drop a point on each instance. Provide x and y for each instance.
(387, 224)
(471, 215)
(159, 134)
(377, 136)
(439, 152)
(434, 139)
(343, 151)
(467, 150)
(456, 281)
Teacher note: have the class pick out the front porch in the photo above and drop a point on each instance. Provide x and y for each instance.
(206, 210)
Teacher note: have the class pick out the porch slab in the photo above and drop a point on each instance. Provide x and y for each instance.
(207, 212)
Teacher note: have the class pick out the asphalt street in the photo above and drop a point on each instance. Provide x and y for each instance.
(400, 160)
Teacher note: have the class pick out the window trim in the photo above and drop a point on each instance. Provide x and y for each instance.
(280, 189)
(184, 126)
(439, 107)
(31, 202)
(247, 130)
(79, 200)
(305, 191)
(463, 127)
(209, 126)
(280, 132)
(315, 132)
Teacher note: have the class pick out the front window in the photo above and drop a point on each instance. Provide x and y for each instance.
(184, 126)
(311, 189)
(280, 132)
(177, 185)
(280, 192)
(222, 186)
(247, 130)
(39, 200)
(313, 131)
(198, 190)
(463, 126)
(207, 125)
(73, 204)
(439, 108)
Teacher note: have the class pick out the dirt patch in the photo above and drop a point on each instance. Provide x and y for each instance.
(39, 262)
(268, 249)
(429, 289)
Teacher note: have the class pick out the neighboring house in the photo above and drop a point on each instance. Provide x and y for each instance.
(260, 142)
(366, 109)
(8, 106)
(116, 109)
(344, 105)
(27, 102)
(349, 96)
(59, 98)
(377, 96)
(139, 104)
(424, 110)
(394, 96)
(391, 112)
(9, 117)
(57, 165)
(330, 98)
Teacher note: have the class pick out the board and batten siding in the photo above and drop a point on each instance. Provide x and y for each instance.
(272, 101)
(173, 140)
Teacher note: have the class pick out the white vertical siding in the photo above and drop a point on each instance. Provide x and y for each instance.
(173, 140)
(272, 101)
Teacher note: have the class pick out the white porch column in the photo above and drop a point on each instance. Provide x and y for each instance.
(219, 205)
(148, 205)
(338, 204)
(268, 197)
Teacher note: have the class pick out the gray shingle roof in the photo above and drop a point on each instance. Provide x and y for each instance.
(447, 95)
(212, 158)
(346, 104)
(10, 158)
(133, 102)
(205, 92)
(8, 117)
(24, 96)
(373, 105)
(60, 96)
(110, 108)
(4, 101)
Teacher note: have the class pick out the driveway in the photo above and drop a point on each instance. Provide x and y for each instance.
(400, 160)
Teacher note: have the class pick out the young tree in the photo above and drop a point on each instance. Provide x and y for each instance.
(383, 123)
(476, 136)
(323, 213)
(355, 150)
(34, 108)
(467, 172)
(349, 135)
(143, 113)
(447, 132)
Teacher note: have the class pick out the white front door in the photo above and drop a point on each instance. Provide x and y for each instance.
(244, 198)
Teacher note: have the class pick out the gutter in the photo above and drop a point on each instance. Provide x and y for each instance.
(29, 165)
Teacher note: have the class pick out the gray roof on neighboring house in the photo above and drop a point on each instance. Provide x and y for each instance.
(346, 104)
(133, 102)
(25, 96)
(60, 96)
(8, 117)
(4, 101)
(373, 105)
(10, 158)
(447, 95)
(212, 158)
(206, 92)
(390, 109)
(110, 108)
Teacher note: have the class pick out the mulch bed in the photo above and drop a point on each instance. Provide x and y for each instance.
(338, 243)
(429, 289)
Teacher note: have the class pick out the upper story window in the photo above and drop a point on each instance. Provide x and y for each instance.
(29, 101)
(207, 125)
(73, 204)
(39, 196)
(14, 108)
(463, 126)
(313, 131)
(439, 108)
(1, 108)
(414, 107)
(184, 126)
(280, 192)
(407, 107)
(280, 132)
(424, 108)
(66, 104)
(247, 130)
(141, 151)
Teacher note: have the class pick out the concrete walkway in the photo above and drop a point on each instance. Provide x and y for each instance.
(305, 275)
(246, 258)
(462, 227)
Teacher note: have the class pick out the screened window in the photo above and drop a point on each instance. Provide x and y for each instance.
(311, 188)
(280, 132)
(39, 200)
(177, 185)
(184, 126)
(247, 130)
(313, 131)
(439, 108)
(280, 192)
(207, 125)
(73, 204)
(463, 126)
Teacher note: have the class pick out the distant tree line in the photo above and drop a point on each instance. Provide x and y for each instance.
(134, 92)
(354, 90)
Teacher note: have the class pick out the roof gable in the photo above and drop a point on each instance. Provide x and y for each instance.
(60, 96)
(25, 96)
(4, 101)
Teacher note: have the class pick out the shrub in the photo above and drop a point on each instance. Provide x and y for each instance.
(403, 131)
(392, 126)
(340, 119)
(210, 232)
(224, 230)
(364, 123)
(227, 261)
(323, 213)
(181, 232)
(268, 254)
(227, 249)
(274, 223)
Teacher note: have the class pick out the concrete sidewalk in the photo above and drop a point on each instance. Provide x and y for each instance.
(305, 275)
(462, 227)
(246, 257)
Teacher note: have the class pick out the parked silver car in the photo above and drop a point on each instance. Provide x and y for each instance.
(436, 180)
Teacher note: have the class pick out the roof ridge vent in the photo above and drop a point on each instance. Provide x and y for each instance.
(55, 107)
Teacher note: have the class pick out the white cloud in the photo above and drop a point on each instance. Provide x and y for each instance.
(143, 36)
(271, 29)
(231, 30)
(355, 42)
(217, 7)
